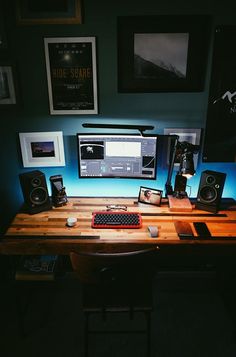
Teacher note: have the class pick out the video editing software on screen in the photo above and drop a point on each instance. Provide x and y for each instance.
(127, 156)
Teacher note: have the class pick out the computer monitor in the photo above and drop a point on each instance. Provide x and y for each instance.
(117, 156)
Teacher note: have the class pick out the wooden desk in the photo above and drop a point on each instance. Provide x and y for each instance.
(37, 234)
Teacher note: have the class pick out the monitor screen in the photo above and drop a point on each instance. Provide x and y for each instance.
(117, 156)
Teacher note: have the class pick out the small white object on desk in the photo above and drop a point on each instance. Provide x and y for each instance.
(71, 221)
(153, 231)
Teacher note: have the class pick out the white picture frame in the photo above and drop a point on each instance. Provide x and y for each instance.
(71, 75)
(191, 135)
(42, 149)
(7, 87)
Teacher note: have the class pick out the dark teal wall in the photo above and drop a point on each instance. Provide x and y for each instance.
(26, 51)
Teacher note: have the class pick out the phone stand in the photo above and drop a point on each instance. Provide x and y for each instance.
(59, 197)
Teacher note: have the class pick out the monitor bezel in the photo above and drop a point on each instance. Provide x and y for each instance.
(117, 134)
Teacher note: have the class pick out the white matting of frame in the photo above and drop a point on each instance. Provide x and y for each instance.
(42, 149)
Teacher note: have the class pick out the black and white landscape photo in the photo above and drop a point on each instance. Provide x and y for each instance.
(160, 55)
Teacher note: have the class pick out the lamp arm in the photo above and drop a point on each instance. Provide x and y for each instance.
(168, 186)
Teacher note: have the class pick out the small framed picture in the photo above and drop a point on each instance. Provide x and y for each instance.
(151, 196)
(7, 86)
(42, 149)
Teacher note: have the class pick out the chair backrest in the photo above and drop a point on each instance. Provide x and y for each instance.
(105, 268)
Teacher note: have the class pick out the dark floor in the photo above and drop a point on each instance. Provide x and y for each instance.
(189, 319)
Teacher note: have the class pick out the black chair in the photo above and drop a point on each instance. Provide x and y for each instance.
(116, 282)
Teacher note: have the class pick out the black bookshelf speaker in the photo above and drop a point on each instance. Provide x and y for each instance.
(210, 190)
(35, 192)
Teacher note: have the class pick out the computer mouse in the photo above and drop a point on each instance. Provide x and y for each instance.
(153, 231)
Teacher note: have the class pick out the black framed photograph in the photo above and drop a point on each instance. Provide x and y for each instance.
(162, 53)
(71, 75)
(37, 12)
(150, 196)
(7, 85)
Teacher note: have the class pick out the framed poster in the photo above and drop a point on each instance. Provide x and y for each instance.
(37, 12)
(71, 75)
(220, 135)
(42, 149)
(162, 53)
(7, 85)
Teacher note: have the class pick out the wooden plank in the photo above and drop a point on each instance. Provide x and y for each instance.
(179, 204)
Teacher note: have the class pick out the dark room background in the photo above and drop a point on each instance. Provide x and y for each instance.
(25, 52)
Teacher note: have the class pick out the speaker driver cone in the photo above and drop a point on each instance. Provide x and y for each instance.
(38, 196)
(36, 182)
(208, 194)
(210, 180)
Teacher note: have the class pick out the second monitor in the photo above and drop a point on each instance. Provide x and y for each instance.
(117, 156)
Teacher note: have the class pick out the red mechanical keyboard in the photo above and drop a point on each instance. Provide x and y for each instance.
(116, 219)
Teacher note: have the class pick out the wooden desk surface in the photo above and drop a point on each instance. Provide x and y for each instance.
(37, 234)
